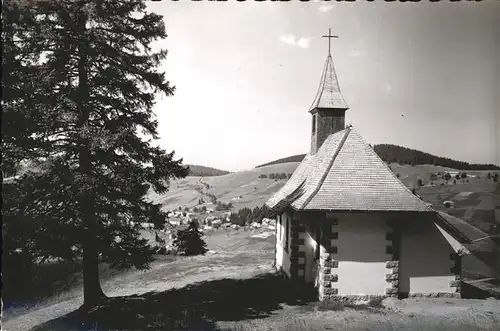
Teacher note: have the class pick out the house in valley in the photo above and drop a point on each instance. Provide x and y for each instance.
(349, 227)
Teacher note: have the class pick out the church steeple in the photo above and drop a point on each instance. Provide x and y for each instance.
(328, 108)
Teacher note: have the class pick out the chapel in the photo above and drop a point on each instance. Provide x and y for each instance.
(347, 227)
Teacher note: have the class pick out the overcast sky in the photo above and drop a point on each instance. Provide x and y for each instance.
(422, 75)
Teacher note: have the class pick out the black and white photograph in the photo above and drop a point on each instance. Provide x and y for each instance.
(250, 165)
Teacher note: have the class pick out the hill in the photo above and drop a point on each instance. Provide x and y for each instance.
(243, 188)
(202, 171)
(293, 158)
(251, 188)
(402, 155)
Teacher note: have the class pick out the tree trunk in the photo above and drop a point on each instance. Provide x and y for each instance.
(92, 291)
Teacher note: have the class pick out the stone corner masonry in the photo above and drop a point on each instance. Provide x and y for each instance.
(392, 249)
(297, 251)
(328, 276)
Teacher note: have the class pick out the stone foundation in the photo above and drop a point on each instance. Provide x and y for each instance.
(434, 295)
(392, 278)
(328, 262)
(392, 249)
(352, 299)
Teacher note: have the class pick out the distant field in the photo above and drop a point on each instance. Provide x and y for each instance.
(246, 189)
(242, 189)
(477, 201)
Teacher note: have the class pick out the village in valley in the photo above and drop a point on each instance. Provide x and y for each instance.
(103, 230)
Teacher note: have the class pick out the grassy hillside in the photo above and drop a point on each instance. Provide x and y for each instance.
(476, 198)
(202, 171)
(242, 189)
(402, 155)
(246, 189)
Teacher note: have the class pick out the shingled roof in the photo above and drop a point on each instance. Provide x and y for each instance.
(345, 174)
(328, 95)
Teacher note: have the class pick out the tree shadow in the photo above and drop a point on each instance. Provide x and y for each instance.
(28, 285)
(193, 307)
(34, 283)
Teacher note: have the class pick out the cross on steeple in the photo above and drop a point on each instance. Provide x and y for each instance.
(329, 107)
(329, 38)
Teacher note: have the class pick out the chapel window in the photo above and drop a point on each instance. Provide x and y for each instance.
(287, 234)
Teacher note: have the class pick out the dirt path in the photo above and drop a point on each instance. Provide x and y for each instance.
(428, 314)
(160, 279)
(231, 256)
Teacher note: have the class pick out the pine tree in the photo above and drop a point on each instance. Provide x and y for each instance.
(93, 79)
(190, 241)
(19, 78)
(20, 121)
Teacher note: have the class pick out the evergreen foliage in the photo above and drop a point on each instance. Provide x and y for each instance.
(80, 86)
(202, 171)
(223, 206)
(293, 158)
(247, 216)
(402, 155)
(189, 241)
(392, 153)
(276, 176)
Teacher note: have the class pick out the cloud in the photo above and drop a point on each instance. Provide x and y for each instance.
(303, 42)
(325, 8)
(290, 40)
(356, 53)
(387, 88)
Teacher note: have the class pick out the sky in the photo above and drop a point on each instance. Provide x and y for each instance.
(419, 75)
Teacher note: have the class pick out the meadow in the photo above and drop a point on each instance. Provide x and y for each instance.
(234, 286)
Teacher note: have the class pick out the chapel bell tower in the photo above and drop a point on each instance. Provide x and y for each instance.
(329, 107)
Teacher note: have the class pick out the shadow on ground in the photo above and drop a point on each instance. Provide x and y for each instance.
(194, 307)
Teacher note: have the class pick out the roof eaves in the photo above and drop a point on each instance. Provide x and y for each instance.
(453, 231)
(393, 175)
(289, 199)
(452, 241)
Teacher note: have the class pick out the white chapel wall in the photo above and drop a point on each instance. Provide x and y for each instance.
(425, 261)
(283, 257)
(361, 254)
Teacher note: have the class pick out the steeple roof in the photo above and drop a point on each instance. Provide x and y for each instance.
(328, 95)
(345, 174)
